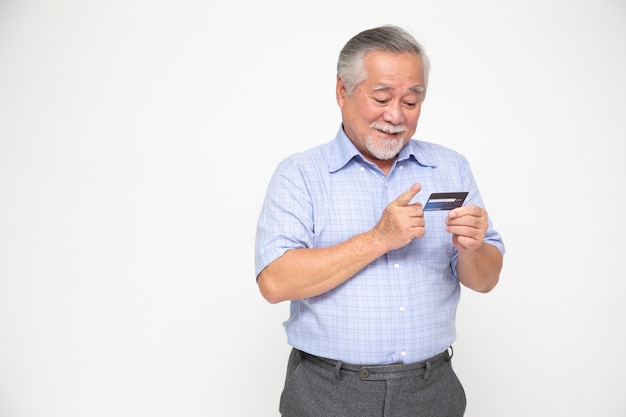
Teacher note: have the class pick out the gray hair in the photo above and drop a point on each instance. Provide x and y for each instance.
(389, 38)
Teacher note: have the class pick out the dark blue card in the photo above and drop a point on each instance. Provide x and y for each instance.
(445, 201)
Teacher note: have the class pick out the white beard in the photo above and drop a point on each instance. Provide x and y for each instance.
(384, 149)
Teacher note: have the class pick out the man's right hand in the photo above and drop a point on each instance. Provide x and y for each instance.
(401, 222)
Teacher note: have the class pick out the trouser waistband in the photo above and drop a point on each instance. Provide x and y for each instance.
(381, 372)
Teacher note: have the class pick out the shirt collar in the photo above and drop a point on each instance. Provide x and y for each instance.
(343, 151)
(415, 150)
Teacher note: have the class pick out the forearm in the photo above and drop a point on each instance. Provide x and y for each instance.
(480, 269)
(303, 273)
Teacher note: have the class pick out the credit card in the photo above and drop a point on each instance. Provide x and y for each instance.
(445, 201)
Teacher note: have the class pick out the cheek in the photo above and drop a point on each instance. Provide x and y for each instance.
(371, 114)
(413, 117)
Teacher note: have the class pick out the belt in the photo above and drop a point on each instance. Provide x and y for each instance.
(380, 372)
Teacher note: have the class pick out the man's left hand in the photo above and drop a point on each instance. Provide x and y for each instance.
(468, 226)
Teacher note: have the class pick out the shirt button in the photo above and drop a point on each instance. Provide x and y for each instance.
(401, 308)
(401, 167)
(362, 169)
(403, 354)
(396, 266)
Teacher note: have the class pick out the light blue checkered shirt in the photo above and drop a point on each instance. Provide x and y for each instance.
(400, 308)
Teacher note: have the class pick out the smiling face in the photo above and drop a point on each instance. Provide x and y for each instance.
(381, 114)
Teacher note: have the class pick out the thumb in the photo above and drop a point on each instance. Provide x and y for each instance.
(405, 198)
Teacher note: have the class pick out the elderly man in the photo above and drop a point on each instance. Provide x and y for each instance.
(373, 280)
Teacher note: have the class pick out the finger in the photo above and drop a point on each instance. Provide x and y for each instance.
(472, 231)
(466, 243)
(419, 209)
(465, 211)
(462, 230)
(405, 198)
(470, 222)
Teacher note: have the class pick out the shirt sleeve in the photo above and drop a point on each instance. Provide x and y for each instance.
(492, 237)
(286, 218)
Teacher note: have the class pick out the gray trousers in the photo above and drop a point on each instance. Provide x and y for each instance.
(318, 387)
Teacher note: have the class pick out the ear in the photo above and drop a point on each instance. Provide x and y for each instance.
(340, 91)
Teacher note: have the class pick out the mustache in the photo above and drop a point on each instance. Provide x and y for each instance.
(387, 128)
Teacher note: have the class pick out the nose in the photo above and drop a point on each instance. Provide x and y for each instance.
(393, 114)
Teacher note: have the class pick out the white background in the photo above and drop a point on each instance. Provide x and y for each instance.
(136, 141)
